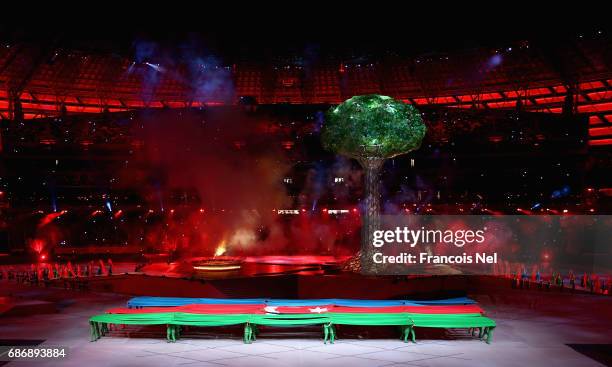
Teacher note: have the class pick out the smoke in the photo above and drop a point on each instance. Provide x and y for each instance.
(207, 77)
(145, 50)
(237, 178)
(393, 202)
(236, 172)
(190, 65)
(315, 185)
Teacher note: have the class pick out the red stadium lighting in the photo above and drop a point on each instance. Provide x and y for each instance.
(50, 218)
(606, 191)
(288, 144)
(201, 210)
(43, 257)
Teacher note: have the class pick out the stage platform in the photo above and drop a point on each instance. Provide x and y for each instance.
(531, 329)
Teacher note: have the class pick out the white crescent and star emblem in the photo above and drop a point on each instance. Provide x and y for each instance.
(274, 309)
(318, 309)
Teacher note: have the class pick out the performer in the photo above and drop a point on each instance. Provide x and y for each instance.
(102, 269)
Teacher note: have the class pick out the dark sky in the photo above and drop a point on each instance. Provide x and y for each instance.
(299, 28)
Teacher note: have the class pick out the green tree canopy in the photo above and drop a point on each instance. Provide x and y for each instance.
(373, 125)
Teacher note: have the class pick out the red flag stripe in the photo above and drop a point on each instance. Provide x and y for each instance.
(262, 309)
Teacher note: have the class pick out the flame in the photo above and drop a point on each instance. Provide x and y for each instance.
(221, 248)
(37, 245)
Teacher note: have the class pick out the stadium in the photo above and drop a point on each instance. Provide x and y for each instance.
(216, 200)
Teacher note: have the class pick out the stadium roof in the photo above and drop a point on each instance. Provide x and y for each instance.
(49, 80)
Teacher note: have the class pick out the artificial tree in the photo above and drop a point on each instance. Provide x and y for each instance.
(371, 129)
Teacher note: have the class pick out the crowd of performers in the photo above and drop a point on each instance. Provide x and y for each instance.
(521, 277)
(592, 283)
(43, 273)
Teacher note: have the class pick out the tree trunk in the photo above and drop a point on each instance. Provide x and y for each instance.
(371, 214)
